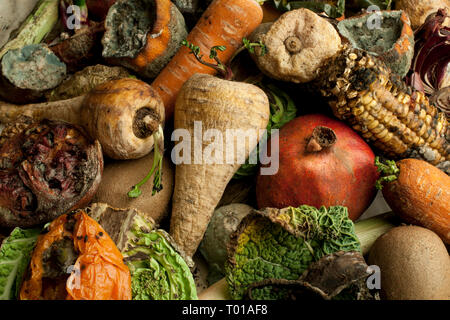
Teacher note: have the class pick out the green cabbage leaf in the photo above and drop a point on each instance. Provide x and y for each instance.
(282, 243)
(15, 255)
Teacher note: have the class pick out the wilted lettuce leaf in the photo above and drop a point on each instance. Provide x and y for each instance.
(158, 272)
(15, 254)
(282, 110)
(281, 244)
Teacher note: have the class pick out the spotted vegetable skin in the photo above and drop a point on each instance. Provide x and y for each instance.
(76, 260)
(400, 122)
(281, 244)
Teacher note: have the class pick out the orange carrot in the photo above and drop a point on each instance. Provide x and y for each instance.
(224, 23)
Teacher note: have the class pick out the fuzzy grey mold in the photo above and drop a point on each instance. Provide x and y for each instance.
(379, 34)
(127, 25)
(33, 67)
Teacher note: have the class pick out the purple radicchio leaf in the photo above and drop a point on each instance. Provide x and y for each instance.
(432, 54)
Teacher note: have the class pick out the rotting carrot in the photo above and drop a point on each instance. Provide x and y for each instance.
(418, 192)
(224, 23)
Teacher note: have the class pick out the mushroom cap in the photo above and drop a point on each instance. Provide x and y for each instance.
(297, 45)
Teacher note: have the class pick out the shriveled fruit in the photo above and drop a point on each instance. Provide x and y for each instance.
(47, 168)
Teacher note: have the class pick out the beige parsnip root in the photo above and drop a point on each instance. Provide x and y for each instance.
(63, 110)
(221, 105)
(122, 114)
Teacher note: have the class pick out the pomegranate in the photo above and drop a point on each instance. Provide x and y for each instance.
(322, 162)
(47, 168)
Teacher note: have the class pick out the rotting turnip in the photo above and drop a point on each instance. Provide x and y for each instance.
(122, 114)
(85, 80)
(297, 44)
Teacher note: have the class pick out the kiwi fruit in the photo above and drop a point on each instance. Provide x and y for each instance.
(414, 264)
(120, 176)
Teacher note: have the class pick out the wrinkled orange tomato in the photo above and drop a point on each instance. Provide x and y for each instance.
(98, 272)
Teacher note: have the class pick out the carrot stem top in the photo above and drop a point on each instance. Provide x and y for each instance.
(223, 69)
(389, 172)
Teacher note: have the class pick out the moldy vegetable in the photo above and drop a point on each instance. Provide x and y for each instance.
(76, 260)
(297, 44)
(47, 168)
(392, 41)
(28, 72)
(143, 35)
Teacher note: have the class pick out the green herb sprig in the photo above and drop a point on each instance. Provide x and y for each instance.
(158, 138)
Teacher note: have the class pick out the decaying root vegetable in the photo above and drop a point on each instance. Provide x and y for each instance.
(122, 114)
(28, 72)
(297, 45)
(143, 35)
(392, 42)
(81, 49)
(220, 105)
(47, 168)
(224, 23)
(85, 80)
(419, 193)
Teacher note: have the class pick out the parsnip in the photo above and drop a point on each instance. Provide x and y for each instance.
(122, 114)
(221, 105)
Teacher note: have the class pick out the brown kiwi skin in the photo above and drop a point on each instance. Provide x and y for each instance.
(414, 264)
(120, 176)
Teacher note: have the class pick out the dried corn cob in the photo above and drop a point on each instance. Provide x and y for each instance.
(392, 117)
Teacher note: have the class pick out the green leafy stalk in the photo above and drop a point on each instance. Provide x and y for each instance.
(389, 171)
(250, 46)
(38, 24)
(158, 138)
(220, 67)
(223, 69)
